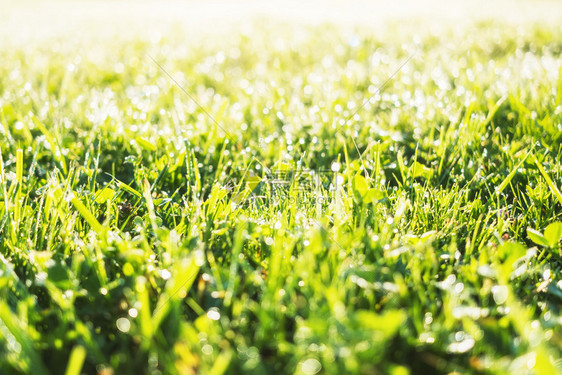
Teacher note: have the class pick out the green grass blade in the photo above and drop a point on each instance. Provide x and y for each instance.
(76, 360)
(509, 177)
(553, 188)
(86, 214)
(29, 355)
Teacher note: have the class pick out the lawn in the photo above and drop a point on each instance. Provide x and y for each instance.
(308, 200)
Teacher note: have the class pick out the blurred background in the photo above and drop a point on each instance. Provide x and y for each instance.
(37, 20)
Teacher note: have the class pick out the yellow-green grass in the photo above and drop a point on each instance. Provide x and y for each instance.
(278, 227)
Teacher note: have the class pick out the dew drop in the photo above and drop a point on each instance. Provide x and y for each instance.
(311, 366)
(123, 324)
(213, 315)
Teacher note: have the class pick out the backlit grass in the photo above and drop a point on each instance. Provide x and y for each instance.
(278, 227)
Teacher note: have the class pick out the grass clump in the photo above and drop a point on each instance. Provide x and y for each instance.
(290, 231)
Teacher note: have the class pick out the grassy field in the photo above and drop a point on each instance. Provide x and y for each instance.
(267, 217)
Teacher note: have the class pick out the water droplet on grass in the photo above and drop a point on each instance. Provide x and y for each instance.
(123, 324)
(165, 274)
(459, 288)
(311, 366)
(336, 167)
(213, 315)
(500, 293)
(207, 349)
(462, 346)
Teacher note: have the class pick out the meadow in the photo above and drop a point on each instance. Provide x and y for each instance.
(283, 200)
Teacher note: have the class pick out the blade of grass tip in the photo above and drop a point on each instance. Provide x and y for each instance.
(76, 360)
(509, 177)
(363, 165)
(127, 188)
(38, 220)
(86, 214)
(236, 194)
(493, 110)
(3, 183)
(19, 180)
(550, 183)
(149, 204)
(57, 154)
(160, 176)
(472, 241)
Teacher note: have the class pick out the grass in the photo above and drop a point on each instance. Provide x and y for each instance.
(287, 230)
